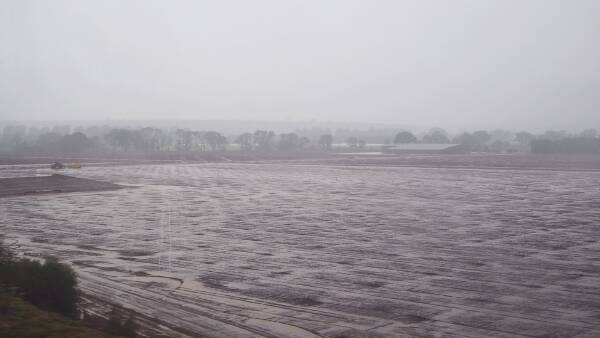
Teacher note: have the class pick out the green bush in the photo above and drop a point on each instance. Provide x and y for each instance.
(120, 326)
(21, 319)
(49, 285)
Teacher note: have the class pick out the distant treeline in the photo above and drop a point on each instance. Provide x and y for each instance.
(104, 139)
(571, 145)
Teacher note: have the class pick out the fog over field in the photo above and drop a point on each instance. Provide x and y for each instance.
(300, 169)
(471, 64)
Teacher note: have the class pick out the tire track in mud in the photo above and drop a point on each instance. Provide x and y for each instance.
(247, 299)
(139, 300)
(310, 286)
(409, 285)
(312, 219)
(372, 296)
(408, 288)
(204, 329)
(343, 316)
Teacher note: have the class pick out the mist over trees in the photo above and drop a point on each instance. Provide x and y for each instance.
(62, 139)
(476, 141)
(49, 285)
(263, 140)
(436, 135)
(326, 141)
(405, 137)
(246, 141)
(291, 142)
(578, 145)
(355, 142)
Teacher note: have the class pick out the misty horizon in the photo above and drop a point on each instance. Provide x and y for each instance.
(465, 65)
(279, 126)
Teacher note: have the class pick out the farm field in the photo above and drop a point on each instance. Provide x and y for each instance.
(328, 250)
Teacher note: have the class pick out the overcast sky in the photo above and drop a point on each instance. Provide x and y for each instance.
(506, 64)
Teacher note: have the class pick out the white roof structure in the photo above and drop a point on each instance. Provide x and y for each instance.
(421, 146)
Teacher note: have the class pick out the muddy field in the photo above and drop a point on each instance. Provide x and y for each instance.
(468, 161)
(284, 250)
(50, 184)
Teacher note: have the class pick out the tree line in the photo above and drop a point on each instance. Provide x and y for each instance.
(151, 140)
(549, 142)
(60, 140)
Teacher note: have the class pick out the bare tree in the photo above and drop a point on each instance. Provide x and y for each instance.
(405, 137)
(326, 141)
(352, 142)
(288, 142)
(245, 141)
(183, 139)
(120, 139)
(362, 144)
(524, 139)
(436, 135)
(263, 140)
(303, 142)
(215, 140)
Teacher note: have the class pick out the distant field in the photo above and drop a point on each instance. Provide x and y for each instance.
(345, 247)
(478, 160)
(475, 161)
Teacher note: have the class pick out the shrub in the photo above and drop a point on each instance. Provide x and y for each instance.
(119, 326)
(49, 285)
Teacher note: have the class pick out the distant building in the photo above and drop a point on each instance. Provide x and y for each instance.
(424, 148)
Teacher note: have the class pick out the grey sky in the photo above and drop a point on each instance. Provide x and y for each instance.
(510, 64)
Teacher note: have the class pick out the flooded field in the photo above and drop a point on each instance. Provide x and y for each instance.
(276, 250)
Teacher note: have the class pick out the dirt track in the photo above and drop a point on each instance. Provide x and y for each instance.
(242, 250)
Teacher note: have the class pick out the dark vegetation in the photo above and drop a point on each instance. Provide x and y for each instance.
(405, 137)
(571, 145)
(61, 140)
(39, 299)
(119, 325)
(19, 319)
(49, 285)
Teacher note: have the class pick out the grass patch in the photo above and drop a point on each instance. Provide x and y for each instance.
(21, 319)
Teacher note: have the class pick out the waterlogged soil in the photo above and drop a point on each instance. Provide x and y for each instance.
(281, 250)
(55, 183)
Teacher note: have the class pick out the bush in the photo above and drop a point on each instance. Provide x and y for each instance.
(21, 319)
(119, 326)
(49, 285)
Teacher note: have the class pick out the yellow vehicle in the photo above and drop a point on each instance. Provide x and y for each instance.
(76, 165)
